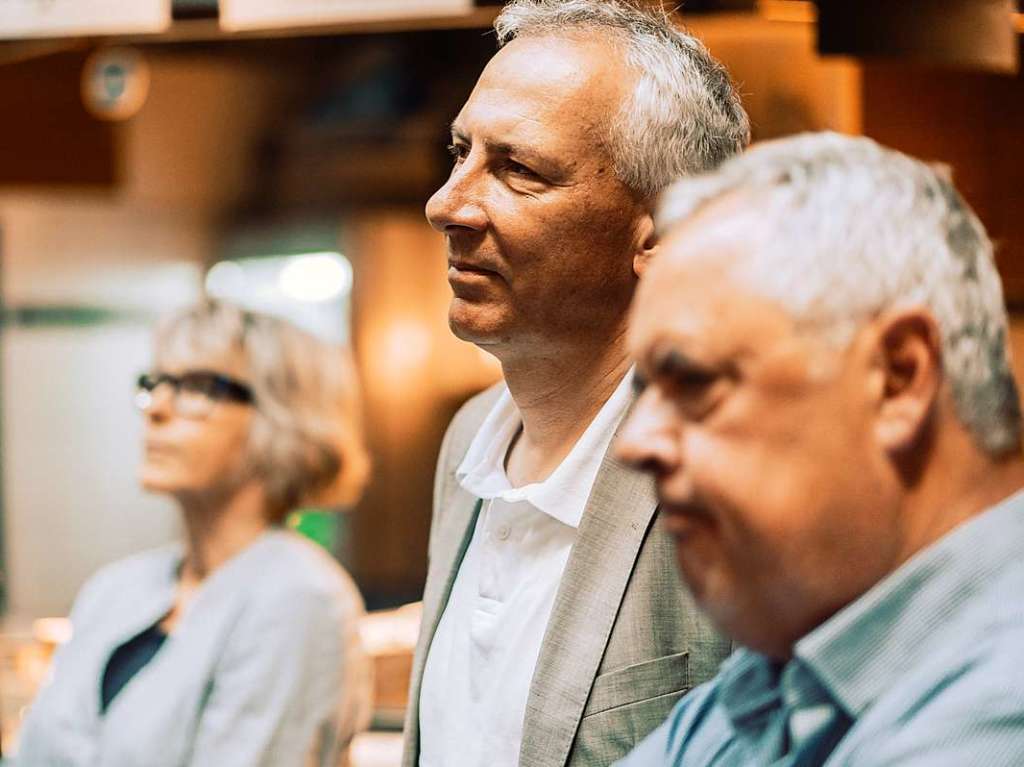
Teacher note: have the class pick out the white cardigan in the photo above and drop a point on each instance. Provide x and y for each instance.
(263, 670)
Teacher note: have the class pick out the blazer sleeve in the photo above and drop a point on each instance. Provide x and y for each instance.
(275, 694)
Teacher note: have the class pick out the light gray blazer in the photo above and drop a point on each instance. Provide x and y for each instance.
(264, 668)
(624, 641)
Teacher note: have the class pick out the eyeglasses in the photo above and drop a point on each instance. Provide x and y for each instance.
(195, 391)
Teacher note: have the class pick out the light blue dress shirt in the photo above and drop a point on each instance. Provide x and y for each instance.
(924, 670)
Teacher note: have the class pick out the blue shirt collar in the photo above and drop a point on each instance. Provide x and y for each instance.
(887, 631)
(748, 684)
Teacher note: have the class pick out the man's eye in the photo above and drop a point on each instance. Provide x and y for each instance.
(695, 382)
(519, 169)
(697, 393)
(458, 152)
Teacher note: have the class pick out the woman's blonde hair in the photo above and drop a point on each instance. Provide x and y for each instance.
(306, 442)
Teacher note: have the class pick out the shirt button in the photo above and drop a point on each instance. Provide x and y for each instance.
(503, 532)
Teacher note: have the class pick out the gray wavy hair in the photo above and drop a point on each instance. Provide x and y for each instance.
(305, 442)
(858, 229)
(684, 116)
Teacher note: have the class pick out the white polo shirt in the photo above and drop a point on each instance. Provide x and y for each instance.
(478, 671)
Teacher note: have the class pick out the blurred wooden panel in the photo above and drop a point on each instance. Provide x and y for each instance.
(972, 121)
(975, 34)
(787, 87)
(46, 135)
(268, 14)
(415, 376)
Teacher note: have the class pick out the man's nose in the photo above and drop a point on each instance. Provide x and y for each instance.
(648, 441)
(458, 204)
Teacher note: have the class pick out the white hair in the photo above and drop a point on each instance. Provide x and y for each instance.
(857, 229)
(305, 442)
(684, 116)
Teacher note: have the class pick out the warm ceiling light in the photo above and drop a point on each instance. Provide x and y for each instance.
(316, 277)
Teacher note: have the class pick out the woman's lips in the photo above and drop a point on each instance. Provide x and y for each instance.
(158, 449)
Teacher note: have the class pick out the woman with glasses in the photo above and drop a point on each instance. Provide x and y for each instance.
(237, 647)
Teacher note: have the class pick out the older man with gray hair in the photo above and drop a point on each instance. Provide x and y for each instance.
(555, 629)
(829, 413)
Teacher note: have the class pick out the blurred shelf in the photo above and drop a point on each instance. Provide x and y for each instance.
(198, 27)
(189, 30)
(806, 12)
(800, 11)
(192, 9)
(205, 30)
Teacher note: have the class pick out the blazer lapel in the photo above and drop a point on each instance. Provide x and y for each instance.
(452, 543)
(615, 521)
(453, 539)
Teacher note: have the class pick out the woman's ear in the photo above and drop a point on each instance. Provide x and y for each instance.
(908, 351)
(647, 244)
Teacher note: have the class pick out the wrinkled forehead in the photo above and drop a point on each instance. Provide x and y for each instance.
(188, 344)
(712, 248)
(727, 241)
(558, 90)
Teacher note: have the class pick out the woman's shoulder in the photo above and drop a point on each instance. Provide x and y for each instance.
(159, 563)
(293, 569)
(145, 572)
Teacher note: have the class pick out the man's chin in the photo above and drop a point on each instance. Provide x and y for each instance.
(475, 326)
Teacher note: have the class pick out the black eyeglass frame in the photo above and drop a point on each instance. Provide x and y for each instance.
(215, 386)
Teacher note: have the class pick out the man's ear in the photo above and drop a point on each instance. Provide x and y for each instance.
(908, 358)
(647, 244)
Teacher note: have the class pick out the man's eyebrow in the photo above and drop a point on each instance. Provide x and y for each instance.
(500, 147)
(676, 365)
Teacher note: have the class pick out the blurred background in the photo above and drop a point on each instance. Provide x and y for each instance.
(280, 152)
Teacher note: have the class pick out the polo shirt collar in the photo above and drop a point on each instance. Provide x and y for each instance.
(564, 494)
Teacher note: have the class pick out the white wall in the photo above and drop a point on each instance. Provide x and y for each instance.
(70, 437)
(71, 452)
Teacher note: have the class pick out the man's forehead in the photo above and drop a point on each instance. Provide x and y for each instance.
(710, 318)
(722, 231)
(542, 85)
(680, 299)
(696, 290)
(696, 266)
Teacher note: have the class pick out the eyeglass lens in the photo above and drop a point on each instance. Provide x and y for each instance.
(194, 392)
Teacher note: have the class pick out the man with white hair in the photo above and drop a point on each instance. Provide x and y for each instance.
(830, 416)
(555, 629)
